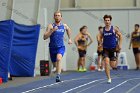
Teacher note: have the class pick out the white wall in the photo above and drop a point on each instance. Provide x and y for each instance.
(25, 11)
(67, 3)
(125, 19)
(105, 3)
(137, 3)
(98, 3)
(5, 8)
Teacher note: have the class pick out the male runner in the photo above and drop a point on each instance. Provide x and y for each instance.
(109, 44)
(56, 46)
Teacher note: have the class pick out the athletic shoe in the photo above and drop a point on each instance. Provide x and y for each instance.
(54, 69)
(84, 70)
(99, 69)
(115, 68)
(109, 81)
(102, 70)
(58, 78)
(137, 68)
(80, 70)
(10, 78)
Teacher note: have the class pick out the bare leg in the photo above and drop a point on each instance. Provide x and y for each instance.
(78, 64)
(84, 59)
(137, 60)
(102, 63)
(82, 62)
(107, 69)
(58, 64)
(113, 64)
(54, 66)
(99, 63)
(58, 67)
(116, 61)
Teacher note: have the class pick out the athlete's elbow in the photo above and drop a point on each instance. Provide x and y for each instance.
(121, 37)
(45, 37)
(91, 40)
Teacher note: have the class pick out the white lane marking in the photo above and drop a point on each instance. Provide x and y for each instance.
(119, 85)
(94, 85)
(82, 85)
(130, 90)
(34, 89)
(89, 87)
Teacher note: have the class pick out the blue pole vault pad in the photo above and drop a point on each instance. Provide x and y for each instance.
(18, 47)
(6, 35)
(24, 48)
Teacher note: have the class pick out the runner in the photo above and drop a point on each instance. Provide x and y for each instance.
(109, 44)
(56, 46)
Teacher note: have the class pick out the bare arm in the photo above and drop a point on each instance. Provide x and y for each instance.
(49, 31)
(100, 39)
(117, 31)
(130, 42)
(76, 39)
(91, 40)
(68, 33)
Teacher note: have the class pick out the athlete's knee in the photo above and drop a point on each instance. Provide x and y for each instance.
(106, 59)
(59, 57)
(113, 59)
(113, 64)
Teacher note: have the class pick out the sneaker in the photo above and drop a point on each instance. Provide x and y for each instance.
(80, 70)
(115, 68)
(137, 68)
(99, 69)
(84, 70)
(58, 78)
(109, 81)
(54, 69)
(10, 78)
(102, 70)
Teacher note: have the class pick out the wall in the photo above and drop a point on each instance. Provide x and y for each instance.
(105, 3)
(99, 3)
(138, 3)
(67, 3)
(6, 12)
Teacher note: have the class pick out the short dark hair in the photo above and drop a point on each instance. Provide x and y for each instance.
(100, 27)
(137, 25)
(107, 16)
(83, 27)
(57, 12)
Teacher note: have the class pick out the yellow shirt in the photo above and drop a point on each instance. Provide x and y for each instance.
(136, 39)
